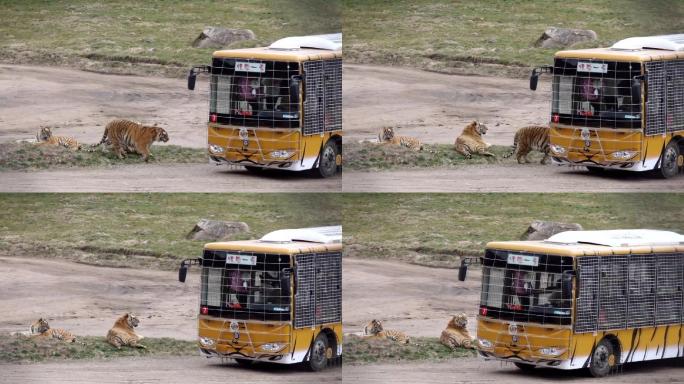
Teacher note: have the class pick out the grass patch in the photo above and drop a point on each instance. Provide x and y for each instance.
(372, 156)
(434, 229)
(147, 37)
(27, 156)
(490, 37)
(360, 350)
(23, 349)
(145, 230)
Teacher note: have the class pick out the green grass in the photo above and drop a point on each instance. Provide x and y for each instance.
(454, 36)
(155, 31)
(434, 229)
(373, 156)
(144, 230)
(27, 156)
(22, 349)
(360, 350)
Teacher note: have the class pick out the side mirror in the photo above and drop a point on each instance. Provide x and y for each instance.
(182, 272)
(534, 79)
(295, 87)
(192, 77)
(462, 271)
(636, 89)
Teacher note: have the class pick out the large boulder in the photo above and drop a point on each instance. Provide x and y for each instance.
(213, 230)
(564, 37)
(217, 37)
(542, 230)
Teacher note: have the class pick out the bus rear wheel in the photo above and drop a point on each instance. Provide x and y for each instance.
(669, 165)
(318, 359)
(525, 367)
(327, 164)
(604, 359)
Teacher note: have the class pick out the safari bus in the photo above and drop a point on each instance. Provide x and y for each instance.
(278, 106)
(620, 107)
(276, 300)
(583, 299)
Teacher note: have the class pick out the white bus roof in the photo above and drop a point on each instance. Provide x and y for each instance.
(322, 235)
(664, 42)
(330, 42)
(619, 238)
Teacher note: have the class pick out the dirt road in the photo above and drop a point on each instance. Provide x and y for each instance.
(435, 107)
(506, 178)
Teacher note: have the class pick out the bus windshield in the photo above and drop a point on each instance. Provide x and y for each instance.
(528, 293)
(253, 93)
(595, 94)
(249, 290)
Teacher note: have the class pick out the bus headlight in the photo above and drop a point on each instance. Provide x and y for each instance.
(215, 149)
(281, 154)
(557, 149)
(551, 351)
(206, 342)
(484, 343)
(623, 155)
(272, 347)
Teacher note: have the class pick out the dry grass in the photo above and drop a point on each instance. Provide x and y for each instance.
(360, 350)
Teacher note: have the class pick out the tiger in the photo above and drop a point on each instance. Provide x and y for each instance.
(41, 328)
(530, 138)
(470, 141)
(128, 136)
(456, 334)
(374, 329)
(387, 135)
(123, 332)
(45, 137)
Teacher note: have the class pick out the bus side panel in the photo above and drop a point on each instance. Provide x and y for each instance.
(303, 338)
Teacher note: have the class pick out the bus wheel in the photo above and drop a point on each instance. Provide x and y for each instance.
(318, 358)
(525, 367)
(327, 165)
(668, 165)
(244, 362)
(604, 359)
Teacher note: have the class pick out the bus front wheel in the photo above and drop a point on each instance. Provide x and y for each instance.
(669, 163)
(327, 164)
(318, 359)
(604, 359)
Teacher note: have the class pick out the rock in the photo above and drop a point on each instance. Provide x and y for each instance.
(564, 37)
(542, 230)
(217, 37)
(216, 230)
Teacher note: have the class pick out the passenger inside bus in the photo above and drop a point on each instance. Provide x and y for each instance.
(238, 289)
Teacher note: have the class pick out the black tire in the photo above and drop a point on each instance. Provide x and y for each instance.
(244, 362)
(525, 367)
(668, 162)
(318, 358)
(327, 163)
(604, 359)
(596, 170)
(253, 169)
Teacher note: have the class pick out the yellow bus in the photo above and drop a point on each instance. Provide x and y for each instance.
(277, 299)
(583, 299)
(277, 107)
(620, 107)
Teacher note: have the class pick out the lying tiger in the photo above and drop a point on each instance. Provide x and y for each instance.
(128, 136)
(374, 329)
(45, 137)
(470, 141)
(388, 136)
(528, 139)
(123, 332)
(41, 328)
(456, 334)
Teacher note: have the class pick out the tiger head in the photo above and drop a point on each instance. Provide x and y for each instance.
(475, 129)
(160, 134)
(373, 327)
(128, 320)
(458, 321)
(387, 134)
(44, 133)
(39, 326)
